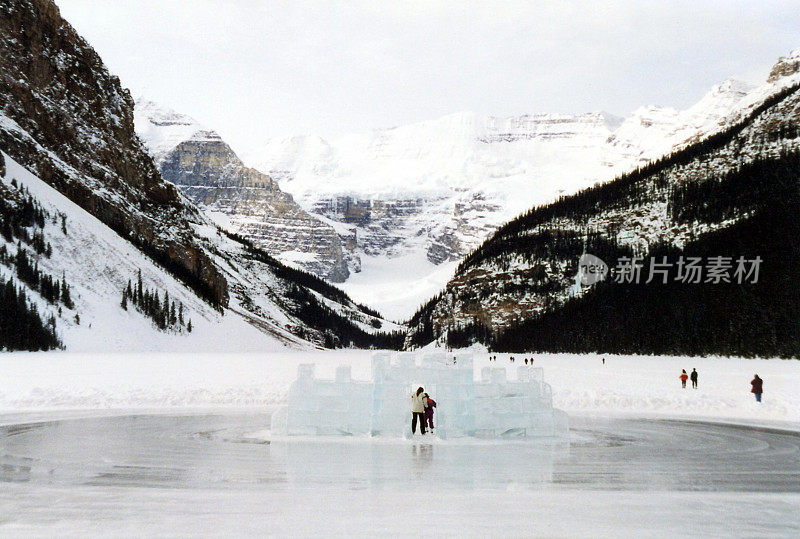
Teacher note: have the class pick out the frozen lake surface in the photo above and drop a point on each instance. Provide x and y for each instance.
(214, 474)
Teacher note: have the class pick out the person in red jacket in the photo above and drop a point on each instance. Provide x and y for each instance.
(758, 387)
(684, 377)
(429, 411)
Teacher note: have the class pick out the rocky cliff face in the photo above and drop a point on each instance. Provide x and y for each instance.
(66, 118)
(786, 66)
(242, 199)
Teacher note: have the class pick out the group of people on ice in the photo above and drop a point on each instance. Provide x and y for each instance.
(422, 406)
(756, 384)
(511, 359)
(685, 377)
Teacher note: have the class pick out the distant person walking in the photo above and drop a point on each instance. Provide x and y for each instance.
(683, 378)
(418, 411)
(694, 378)
(604, 361)
(526, 361)
(429, 411)
(758, 387)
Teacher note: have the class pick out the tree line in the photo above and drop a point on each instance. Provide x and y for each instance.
(627, 189)
(21, 323)
(166, 314)
(27, 269)
(754, 319)
(19, 211)
(751, 319)
(337, 330)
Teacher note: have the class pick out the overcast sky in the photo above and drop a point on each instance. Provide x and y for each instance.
(258, 69)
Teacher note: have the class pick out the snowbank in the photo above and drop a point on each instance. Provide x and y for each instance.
(581, 383)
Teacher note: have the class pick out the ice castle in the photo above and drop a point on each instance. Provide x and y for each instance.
(495, 406)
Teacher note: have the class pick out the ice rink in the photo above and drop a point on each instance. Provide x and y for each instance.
(220, 473)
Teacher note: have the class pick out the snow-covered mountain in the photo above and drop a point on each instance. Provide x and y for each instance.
(431, 192)
(97, 263)
(724, 201)
(83, 204)
(241, 199)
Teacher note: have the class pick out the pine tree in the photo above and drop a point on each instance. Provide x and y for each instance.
(139, 288)
(66, 298)
(165, 307)
(189, 326)
(36, 274)
(124, 303)
(164, 312)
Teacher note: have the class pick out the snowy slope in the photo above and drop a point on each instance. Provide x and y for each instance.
(437, 189)
(97, 264)
(462, 151)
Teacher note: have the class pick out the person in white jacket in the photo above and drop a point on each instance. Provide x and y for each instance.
(418, 405)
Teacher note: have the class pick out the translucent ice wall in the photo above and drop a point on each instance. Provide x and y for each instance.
(523, 407)
(339, 406)
(492, 407)
(450, 383)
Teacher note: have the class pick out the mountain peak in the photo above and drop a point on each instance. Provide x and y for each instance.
(720, 100)
(785, 66)
(162, 129)
(161, 115)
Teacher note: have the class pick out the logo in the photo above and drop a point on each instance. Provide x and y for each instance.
(592, 269)
(685, 269)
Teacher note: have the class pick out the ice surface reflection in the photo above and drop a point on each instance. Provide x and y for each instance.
(410, 464)
(220, 451)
